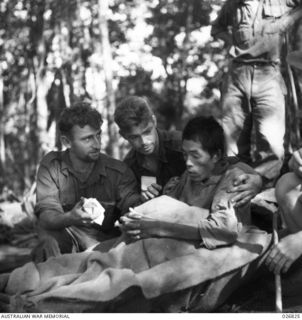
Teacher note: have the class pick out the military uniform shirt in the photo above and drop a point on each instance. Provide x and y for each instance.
(111, 182)
(171, 160)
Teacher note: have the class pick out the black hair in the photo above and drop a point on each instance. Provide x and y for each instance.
(81, 114)
(208, 132)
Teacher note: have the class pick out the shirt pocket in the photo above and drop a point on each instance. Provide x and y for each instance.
(243, 35)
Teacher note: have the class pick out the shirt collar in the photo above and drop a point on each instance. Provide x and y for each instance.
(65, 161)
(219, 170)
(99, 168)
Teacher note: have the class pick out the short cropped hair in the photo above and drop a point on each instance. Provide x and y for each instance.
(208, 132)
(132, 111)
(81, 114)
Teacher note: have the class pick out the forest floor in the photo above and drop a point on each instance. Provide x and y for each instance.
(18, 238)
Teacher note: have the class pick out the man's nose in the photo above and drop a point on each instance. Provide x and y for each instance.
(189, 162)
(97, 142)
(144, 139)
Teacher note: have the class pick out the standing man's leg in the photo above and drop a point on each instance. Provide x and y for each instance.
(236, 112)
(268, 108)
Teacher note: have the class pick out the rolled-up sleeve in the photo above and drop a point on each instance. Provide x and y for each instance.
(282, 24)
(221, 227)
(47, 192)
(129, 195)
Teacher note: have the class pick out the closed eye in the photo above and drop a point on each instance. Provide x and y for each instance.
(195, 155)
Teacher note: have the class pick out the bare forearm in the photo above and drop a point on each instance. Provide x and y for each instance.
(178, 231)
(146, 227)
(54, 220)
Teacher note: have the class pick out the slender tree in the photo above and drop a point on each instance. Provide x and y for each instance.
(2, 124)
(107, 67)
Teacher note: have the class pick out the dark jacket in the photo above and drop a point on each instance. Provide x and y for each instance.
(171, 160)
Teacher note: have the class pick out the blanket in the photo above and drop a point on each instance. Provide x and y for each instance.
(87, 281)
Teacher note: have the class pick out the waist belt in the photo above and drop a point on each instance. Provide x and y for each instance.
(257, 63)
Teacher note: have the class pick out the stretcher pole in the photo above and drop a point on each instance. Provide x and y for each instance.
(278, 288)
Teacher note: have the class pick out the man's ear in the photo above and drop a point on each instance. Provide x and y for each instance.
(217, 156)
(65, 141)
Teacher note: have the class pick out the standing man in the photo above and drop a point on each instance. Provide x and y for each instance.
(253, 92)
(64, 178)
(156, 155)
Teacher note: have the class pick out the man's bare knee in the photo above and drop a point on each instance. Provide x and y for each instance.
(288, 186)
(288, 191)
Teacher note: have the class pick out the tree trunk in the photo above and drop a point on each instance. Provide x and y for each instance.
(182, 77)
(2, 134)
(112, 147)
(2, 127)
(37, 104)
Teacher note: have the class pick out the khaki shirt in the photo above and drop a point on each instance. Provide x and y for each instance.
(111, 182)
(222, 225)
(256, 32)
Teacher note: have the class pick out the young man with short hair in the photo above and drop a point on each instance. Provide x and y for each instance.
(155, 153)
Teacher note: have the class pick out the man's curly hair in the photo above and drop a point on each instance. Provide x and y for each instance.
(81, 114)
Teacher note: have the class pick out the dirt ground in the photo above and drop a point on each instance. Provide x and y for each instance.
(17, 238)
